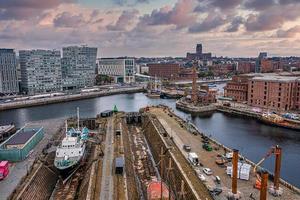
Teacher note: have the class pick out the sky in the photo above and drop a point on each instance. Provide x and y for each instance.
(150, 28)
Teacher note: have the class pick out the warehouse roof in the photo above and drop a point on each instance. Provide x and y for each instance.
(21, 137)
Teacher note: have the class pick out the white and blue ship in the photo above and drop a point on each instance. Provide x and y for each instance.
(72, 149)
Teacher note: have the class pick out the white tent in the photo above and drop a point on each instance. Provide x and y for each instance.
(243, 171)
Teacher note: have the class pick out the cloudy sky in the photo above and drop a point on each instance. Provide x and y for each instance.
(154, 27)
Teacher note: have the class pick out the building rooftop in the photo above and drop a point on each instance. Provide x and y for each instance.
(21, 137)
(276, 78)
(116, 58)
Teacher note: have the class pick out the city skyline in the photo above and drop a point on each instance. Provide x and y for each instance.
(151, 28)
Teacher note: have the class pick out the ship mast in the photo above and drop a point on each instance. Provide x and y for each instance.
(77, 118)
(194, 86)
(155, 84)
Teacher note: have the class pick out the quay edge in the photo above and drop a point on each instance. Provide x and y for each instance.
(230, 110)
(282, 181)
(67, 98)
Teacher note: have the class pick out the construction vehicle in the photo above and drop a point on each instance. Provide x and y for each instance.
(274, 190)
(4, 169)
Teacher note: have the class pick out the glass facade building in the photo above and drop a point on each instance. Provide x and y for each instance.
(78, 66)
(40, 71)
(8, 72)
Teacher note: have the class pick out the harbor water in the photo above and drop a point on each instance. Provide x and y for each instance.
(251, 137)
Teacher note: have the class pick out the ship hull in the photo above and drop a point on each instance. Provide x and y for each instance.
(268, 122)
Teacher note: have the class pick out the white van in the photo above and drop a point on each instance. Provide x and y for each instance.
(193, 158)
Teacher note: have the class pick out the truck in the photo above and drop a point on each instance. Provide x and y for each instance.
(193, 158)
(4, 169)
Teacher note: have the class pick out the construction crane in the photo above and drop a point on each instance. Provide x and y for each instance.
(277, 152)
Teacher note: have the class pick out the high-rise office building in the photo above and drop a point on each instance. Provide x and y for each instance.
(40, 71)
(78, 66)
(262, 56)
(8, 72)
(121, 69)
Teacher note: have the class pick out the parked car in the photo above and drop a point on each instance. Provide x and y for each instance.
(218, 180)
(207, 147)
(216, 191)
(202, 177)
(187, 148)
(207, 171)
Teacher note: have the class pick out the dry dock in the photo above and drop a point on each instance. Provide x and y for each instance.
(149, 144)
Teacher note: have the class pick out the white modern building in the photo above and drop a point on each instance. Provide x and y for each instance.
(78, 66)
(121, 69)
(8, 72)
(40, 71)
(144, 69)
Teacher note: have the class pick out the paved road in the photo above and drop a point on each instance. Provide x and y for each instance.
(107, 186)
(19, 169)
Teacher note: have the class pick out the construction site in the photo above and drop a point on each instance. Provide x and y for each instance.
(152, 154)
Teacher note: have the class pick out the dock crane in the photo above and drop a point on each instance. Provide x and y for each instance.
(274, 190)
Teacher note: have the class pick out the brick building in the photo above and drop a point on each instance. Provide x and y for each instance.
(222, 69)
(164, 70)
(185, 74)
(274, 92)
(237, 89)
(207, 95)
(266, 66)
(244, 67)
(269, 91)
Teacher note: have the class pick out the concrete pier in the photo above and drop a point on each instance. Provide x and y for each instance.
(66, 98)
